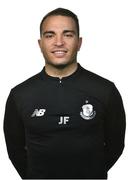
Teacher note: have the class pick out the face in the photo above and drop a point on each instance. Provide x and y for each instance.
(59, 42)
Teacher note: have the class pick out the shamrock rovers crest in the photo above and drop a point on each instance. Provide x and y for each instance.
(88, 111)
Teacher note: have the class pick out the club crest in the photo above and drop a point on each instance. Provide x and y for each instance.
(87, 112)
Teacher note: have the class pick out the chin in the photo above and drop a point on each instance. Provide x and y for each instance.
(60, 65)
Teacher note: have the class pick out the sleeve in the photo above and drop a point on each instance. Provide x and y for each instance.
(114, 128)
(15, 136)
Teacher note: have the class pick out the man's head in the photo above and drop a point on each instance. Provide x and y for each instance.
(59, 37)
(61, 12)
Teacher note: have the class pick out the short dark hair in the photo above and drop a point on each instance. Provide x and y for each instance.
(62, 12)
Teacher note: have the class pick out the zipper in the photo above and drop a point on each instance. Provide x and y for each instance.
(60, 81)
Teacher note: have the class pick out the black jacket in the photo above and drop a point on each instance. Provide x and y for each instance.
(73, 128)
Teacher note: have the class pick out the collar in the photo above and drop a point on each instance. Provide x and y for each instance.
(75, 74)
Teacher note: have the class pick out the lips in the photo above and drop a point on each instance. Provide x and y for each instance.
(59, 53)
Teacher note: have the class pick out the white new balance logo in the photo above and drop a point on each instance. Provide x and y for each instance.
(39, 112)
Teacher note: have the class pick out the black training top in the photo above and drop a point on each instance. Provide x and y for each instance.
(68, 128)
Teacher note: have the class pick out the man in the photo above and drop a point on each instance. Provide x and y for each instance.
(64, 122)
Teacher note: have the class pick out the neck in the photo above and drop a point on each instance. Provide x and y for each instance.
(60, 73)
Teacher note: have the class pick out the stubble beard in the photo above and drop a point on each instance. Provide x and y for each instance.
(60, 66)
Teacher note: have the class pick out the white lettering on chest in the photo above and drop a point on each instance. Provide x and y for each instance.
(63, 120)
(39, 112)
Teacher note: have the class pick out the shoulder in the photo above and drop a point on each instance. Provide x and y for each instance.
(95, 79)
(96, 85)
(27, 86)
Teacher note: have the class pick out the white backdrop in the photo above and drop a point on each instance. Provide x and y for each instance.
(104, 28)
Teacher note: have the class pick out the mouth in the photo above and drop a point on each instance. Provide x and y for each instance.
(59, 53)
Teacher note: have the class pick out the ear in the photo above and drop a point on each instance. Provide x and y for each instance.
(39, 42)
(79, 43)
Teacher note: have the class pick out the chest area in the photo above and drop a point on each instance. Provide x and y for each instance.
(61, 107)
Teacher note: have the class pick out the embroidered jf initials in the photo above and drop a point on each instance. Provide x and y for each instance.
(63, 120)
(39, 112)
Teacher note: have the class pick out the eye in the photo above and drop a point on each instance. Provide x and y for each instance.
(48, 36)
(69, 35)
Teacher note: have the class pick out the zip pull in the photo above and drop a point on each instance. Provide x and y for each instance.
(60, 80)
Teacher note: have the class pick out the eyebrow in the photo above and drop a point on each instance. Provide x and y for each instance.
(69, 31)
(48, 32)
(65, 31)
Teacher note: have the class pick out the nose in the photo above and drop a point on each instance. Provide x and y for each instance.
(59, 41)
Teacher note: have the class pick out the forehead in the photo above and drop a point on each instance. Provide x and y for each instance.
(58, 22)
